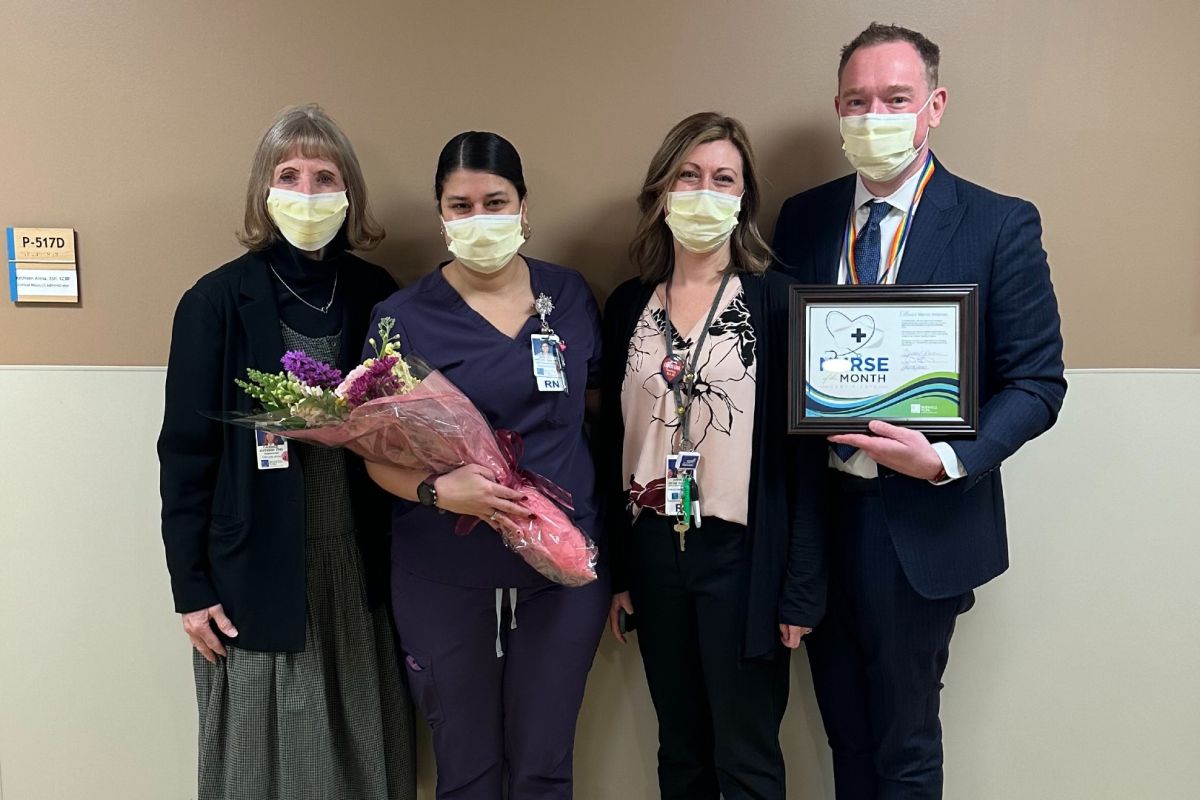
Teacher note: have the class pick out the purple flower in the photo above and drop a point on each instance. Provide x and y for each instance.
(309, 371)
(377, 381)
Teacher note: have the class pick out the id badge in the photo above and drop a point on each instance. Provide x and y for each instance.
(681, 467)
(548, 362)
(271, 450)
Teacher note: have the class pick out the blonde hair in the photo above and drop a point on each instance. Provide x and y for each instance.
(653, 247)
(309, 132)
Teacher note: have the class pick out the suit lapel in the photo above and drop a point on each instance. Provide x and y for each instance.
(827, 250)
(937, 217)
(260, 315)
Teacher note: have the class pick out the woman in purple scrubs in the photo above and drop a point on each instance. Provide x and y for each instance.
(497, 655)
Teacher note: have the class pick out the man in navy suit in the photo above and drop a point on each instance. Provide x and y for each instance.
(915, 525)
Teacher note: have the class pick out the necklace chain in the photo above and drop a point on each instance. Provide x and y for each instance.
(328, 305)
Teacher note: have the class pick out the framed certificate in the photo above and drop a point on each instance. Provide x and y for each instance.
(903, 354)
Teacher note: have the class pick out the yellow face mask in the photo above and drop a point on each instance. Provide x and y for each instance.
(307, 221)
(702, 220)
(880, 146)
(485, 242)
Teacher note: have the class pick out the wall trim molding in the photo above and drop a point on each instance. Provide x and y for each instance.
(1135, 370)
(76, 368)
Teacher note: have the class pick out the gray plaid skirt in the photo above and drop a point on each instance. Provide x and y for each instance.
(333, 722)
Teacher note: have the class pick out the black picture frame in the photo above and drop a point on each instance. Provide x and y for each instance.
(967, 298)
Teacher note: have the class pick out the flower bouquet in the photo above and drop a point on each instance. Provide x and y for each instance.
(396, 411)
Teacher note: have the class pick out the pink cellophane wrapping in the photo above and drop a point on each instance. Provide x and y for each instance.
(436, 428)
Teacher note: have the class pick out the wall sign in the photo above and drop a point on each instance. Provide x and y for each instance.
(41, 265)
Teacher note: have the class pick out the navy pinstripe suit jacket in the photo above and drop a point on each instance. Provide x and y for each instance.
(952, 538)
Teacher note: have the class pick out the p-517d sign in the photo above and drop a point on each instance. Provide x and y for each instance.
(41, 265)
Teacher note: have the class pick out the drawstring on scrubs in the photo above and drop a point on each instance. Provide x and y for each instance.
(512, 604)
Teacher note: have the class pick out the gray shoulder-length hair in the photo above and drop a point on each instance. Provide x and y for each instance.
(309, 132)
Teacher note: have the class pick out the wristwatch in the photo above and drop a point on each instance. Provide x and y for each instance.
(427, 493)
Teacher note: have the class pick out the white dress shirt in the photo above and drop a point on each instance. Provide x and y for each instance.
(860, 464)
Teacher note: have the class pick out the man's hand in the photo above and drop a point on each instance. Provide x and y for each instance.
(901, 449)
(791, 635)
(198, 626)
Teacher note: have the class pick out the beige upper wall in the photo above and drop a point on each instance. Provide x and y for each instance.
(135, 124)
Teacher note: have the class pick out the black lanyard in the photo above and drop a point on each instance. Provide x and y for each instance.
(684, 387)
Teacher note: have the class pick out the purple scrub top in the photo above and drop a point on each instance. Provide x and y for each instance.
(496, 373)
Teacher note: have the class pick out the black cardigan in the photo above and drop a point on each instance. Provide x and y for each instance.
(785, 558)
(235, 534)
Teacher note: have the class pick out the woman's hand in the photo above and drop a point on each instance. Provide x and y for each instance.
(619, 601)
(198, 626)
(791, 635)
(473, 490)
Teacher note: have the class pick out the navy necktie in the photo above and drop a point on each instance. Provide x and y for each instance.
(866, 263)
(866, 246)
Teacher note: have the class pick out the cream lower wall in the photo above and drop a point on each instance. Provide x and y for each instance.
(1075, 676)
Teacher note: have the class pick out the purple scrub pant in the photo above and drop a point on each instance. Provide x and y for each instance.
(499, 718)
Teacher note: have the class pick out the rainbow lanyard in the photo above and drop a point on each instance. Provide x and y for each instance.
(901, 237)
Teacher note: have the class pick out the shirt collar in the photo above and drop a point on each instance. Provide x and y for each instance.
(901, 198)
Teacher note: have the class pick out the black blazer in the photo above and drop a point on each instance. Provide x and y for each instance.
(785, 561)
(235, 534)
(952, 538)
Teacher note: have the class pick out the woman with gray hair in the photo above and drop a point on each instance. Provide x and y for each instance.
(279, 560)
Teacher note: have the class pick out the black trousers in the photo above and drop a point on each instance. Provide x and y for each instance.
(718, 714)
(878, 658)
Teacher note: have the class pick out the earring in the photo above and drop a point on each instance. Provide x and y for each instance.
(528, 231)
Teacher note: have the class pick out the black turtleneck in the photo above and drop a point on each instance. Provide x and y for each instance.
(312, 280)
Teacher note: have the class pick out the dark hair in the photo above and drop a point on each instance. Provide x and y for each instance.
(481, 151)
(877, 33)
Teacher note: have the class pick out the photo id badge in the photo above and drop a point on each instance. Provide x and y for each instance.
(271, 450)
(548, 362)
(681, 468)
